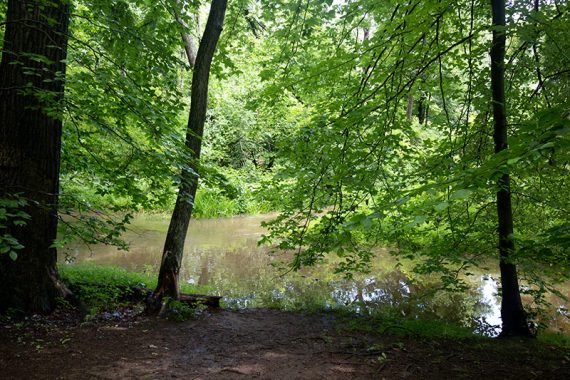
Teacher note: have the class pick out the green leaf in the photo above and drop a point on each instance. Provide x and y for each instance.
(441, 206)
(59, 243)
(513, 161)
(419, 219)
(23, 215)
(460, 194)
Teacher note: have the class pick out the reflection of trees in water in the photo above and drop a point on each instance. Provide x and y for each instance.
(388, 293)
(423, 297)
(391, 292)
(552, 313)
(204, 277)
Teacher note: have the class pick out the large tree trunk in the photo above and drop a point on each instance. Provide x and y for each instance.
(31, 90)
(178, 228)
(512, 312)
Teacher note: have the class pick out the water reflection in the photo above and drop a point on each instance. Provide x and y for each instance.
(223, 255)
(490, 321)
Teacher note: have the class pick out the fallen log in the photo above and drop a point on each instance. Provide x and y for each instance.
(194, 299)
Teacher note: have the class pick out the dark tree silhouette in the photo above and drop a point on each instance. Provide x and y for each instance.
(32, 74)
(512, 312)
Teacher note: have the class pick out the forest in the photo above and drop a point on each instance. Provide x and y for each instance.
(284, 189)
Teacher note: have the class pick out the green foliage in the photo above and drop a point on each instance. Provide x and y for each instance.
(94, 228)
(104, 288)
(3, 9)
(101, 274)
(122, 140)
(557, 339)
(11, 216)
(108, 289)
(181, 311)
(177, 310)
(358, 170)
(128, 104)
(233, 192)
(402, 326)
(210, 203)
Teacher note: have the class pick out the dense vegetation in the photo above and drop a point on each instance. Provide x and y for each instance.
(365, 123)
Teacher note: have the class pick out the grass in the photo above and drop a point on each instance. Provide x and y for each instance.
(105, 288)
(556, 339)
(393, 324)
(96, 274)
(432, 329)
(213, 204)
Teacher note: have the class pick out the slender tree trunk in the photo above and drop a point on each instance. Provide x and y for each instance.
(189, 46)
(31, 89)
(178, 228)
(422, 109)
(512, 312)
(410, 107)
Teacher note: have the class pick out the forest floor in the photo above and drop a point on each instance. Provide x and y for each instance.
(257, 343)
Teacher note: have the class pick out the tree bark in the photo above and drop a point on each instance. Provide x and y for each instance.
(32, 74)
(422, 109)
(513, 316)
(178, 228)
(410, 108)
(189, 46)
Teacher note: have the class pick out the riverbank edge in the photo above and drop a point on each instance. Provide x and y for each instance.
(108, 291)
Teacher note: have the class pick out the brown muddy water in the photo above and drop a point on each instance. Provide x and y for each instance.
(222, 257)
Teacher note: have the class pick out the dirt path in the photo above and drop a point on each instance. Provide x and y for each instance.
(263, 344)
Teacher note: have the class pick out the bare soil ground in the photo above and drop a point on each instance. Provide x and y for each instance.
(265, 344)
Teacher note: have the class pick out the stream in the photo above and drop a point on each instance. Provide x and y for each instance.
(222, 257)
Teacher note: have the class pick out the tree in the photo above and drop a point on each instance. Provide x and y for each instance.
(512, 312)
(178, 228)
(360, 172)
(32, 73)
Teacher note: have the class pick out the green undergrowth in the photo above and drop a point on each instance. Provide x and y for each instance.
(104, 275)
(209, 203)
(388, 323)
(427, 329)
(106, 288)
(181, 311)
(557, 339)
(213, 203)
